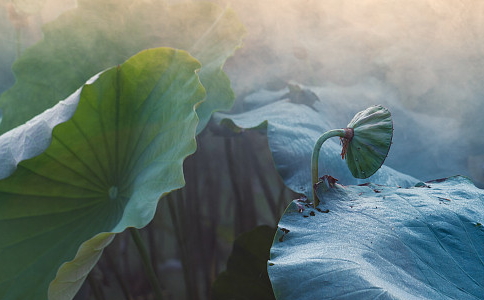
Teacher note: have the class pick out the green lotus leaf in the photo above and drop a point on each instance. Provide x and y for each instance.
(72, 274)
(369, 142)
(91, 166)
(379, 242)
(99, 34)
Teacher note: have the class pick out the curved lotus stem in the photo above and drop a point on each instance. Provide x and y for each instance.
(315, 158)
(366, 142)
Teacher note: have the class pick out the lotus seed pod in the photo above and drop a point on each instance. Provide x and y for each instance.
(367, 141)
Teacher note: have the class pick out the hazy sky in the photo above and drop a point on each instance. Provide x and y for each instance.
(425, 57)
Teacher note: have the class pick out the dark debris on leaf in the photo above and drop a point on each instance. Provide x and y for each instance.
(438, 180)
(285, 231)
(329, 179)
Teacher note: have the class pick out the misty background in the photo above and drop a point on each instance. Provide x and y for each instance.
(421, 58)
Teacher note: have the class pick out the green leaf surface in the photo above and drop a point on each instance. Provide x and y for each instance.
(96, 163)
(292, 130)
(377, 242)
(72, 274)
(246, 276)
(99, 34)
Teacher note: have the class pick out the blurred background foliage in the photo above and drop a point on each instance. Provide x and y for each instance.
(429, 55)
(232, 188)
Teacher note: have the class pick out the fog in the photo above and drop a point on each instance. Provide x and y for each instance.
(21, 24)
(422, 58)
(428, 50)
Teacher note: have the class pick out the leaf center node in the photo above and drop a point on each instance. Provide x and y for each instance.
(113, 192)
